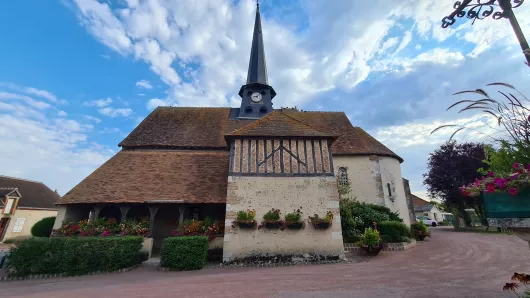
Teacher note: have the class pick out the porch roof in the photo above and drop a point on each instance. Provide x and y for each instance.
(143, 176)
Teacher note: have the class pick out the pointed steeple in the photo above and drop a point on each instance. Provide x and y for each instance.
(256, 94)
(257, 68)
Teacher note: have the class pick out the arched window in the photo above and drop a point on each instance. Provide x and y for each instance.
(389, 189)
(343, 176)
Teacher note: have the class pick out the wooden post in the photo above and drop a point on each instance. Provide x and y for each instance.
(94, 214)
(124, 210)
(182, 210)
(152, 213)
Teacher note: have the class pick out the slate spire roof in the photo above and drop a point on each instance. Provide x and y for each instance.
(257, 68)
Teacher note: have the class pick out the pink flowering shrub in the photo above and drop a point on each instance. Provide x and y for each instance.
(520, 178)
(104, 227)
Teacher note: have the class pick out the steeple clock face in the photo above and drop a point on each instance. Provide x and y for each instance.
(255, 97)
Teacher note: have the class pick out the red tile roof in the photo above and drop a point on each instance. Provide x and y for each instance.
(137, 176)
(278, 124)
(176, 127)
(417, 201)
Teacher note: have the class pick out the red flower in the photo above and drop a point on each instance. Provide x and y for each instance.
(512, 191)
(490, 174)
(490, 187)
(516, 165)
(520, 171)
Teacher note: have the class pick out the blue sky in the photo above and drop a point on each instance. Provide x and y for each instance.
(76, 76)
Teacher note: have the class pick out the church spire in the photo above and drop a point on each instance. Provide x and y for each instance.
(257, 68)
(256, 94)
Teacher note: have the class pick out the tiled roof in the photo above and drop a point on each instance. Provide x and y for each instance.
(278, 124)
(177, 127)
(34, 194)
(137, 176)
(416, 201)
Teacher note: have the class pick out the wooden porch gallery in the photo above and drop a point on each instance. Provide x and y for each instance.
(155, 221)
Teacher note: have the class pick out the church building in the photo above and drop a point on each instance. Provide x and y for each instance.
(192, 162)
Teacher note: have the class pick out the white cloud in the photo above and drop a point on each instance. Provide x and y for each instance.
(110, 130)
(404, 42)
(92, 118)
(106, 57)
(99, 103)
(30, 90)
(144, 84)
(418, 47)
(155, 102)
(112, 112)
(61, 114)
(30, 101)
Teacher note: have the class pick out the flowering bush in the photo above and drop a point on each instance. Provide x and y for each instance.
(272, 215)
(131, 227)
(208, 227)
(104, 227)
(245, 219)
(520, 178)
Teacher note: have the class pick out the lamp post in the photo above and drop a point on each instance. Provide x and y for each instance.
(482, 9)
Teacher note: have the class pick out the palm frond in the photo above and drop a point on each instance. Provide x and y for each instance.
(454, 133)
(501, 84)
(443, 126)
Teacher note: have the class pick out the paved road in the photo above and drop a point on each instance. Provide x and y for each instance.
(450, 264)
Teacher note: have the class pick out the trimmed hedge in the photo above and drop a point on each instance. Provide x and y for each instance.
(395, 230)
(184, 253)
(43, 228)
(74, 256)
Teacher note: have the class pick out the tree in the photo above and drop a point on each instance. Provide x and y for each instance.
(438, 205)
(450, 167)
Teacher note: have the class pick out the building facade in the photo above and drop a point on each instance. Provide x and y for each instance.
(185, 162)
(22, 204)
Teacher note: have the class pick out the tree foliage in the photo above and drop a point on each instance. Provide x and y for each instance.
(450, 167)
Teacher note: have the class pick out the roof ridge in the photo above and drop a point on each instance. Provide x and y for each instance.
(280, 111)
(22, 179)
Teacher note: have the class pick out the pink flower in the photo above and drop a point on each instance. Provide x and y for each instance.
(490, 187)
(512, 191)
(516, 165)
(477, 182)
(490, 174)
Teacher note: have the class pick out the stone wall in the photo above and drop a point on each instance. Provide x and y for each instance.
(313, 195)
(369, 176)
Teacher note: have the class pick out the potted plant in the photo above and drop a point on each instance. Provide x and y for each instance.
(419, 230)
(246, 219)
(293, 221)
(322, 222)
(371, 242)
(271, 219)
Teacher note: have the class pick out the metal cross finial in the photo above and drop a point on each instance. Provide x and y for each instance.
(257, 4)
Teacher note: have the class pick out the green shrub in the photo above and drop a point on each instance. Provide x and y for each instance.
(73, 255)
(294, 217)
(184, 253)
(386, 239)
(272, 215)
(43, 228)
(394, 229)
(370, 239)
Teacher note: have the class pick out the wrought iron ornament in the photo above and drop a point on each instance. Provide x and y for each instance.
(479, 10)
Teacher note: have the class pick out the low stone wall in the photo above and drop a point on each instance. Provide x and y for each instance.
(352, 247)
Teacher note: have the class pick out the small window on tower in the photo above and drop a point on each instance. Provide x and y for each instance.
(248, 109)
(343, 176)
(263, 109)
(389, 189)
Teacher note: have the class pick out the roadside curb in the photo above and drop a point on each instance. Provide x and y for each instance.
(47, 276)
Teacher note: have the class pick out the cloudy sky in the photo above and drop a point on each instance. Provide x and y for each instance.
(76, 76)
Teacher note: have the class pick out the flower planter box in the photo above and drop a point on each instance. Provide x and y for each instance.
(246, 225)
(322, 225)
(273, 224)
(373, 251)
(295, 225)
(505, 205)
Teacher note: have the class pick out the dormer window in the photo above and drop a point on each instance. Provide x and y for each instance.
(10, 203)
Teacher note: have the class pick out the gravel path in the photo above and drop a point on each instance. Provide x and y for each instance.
(449, 264)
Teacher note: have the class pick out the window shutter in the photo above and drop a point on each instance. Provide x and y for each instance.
(19, 224)
(9, 206)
